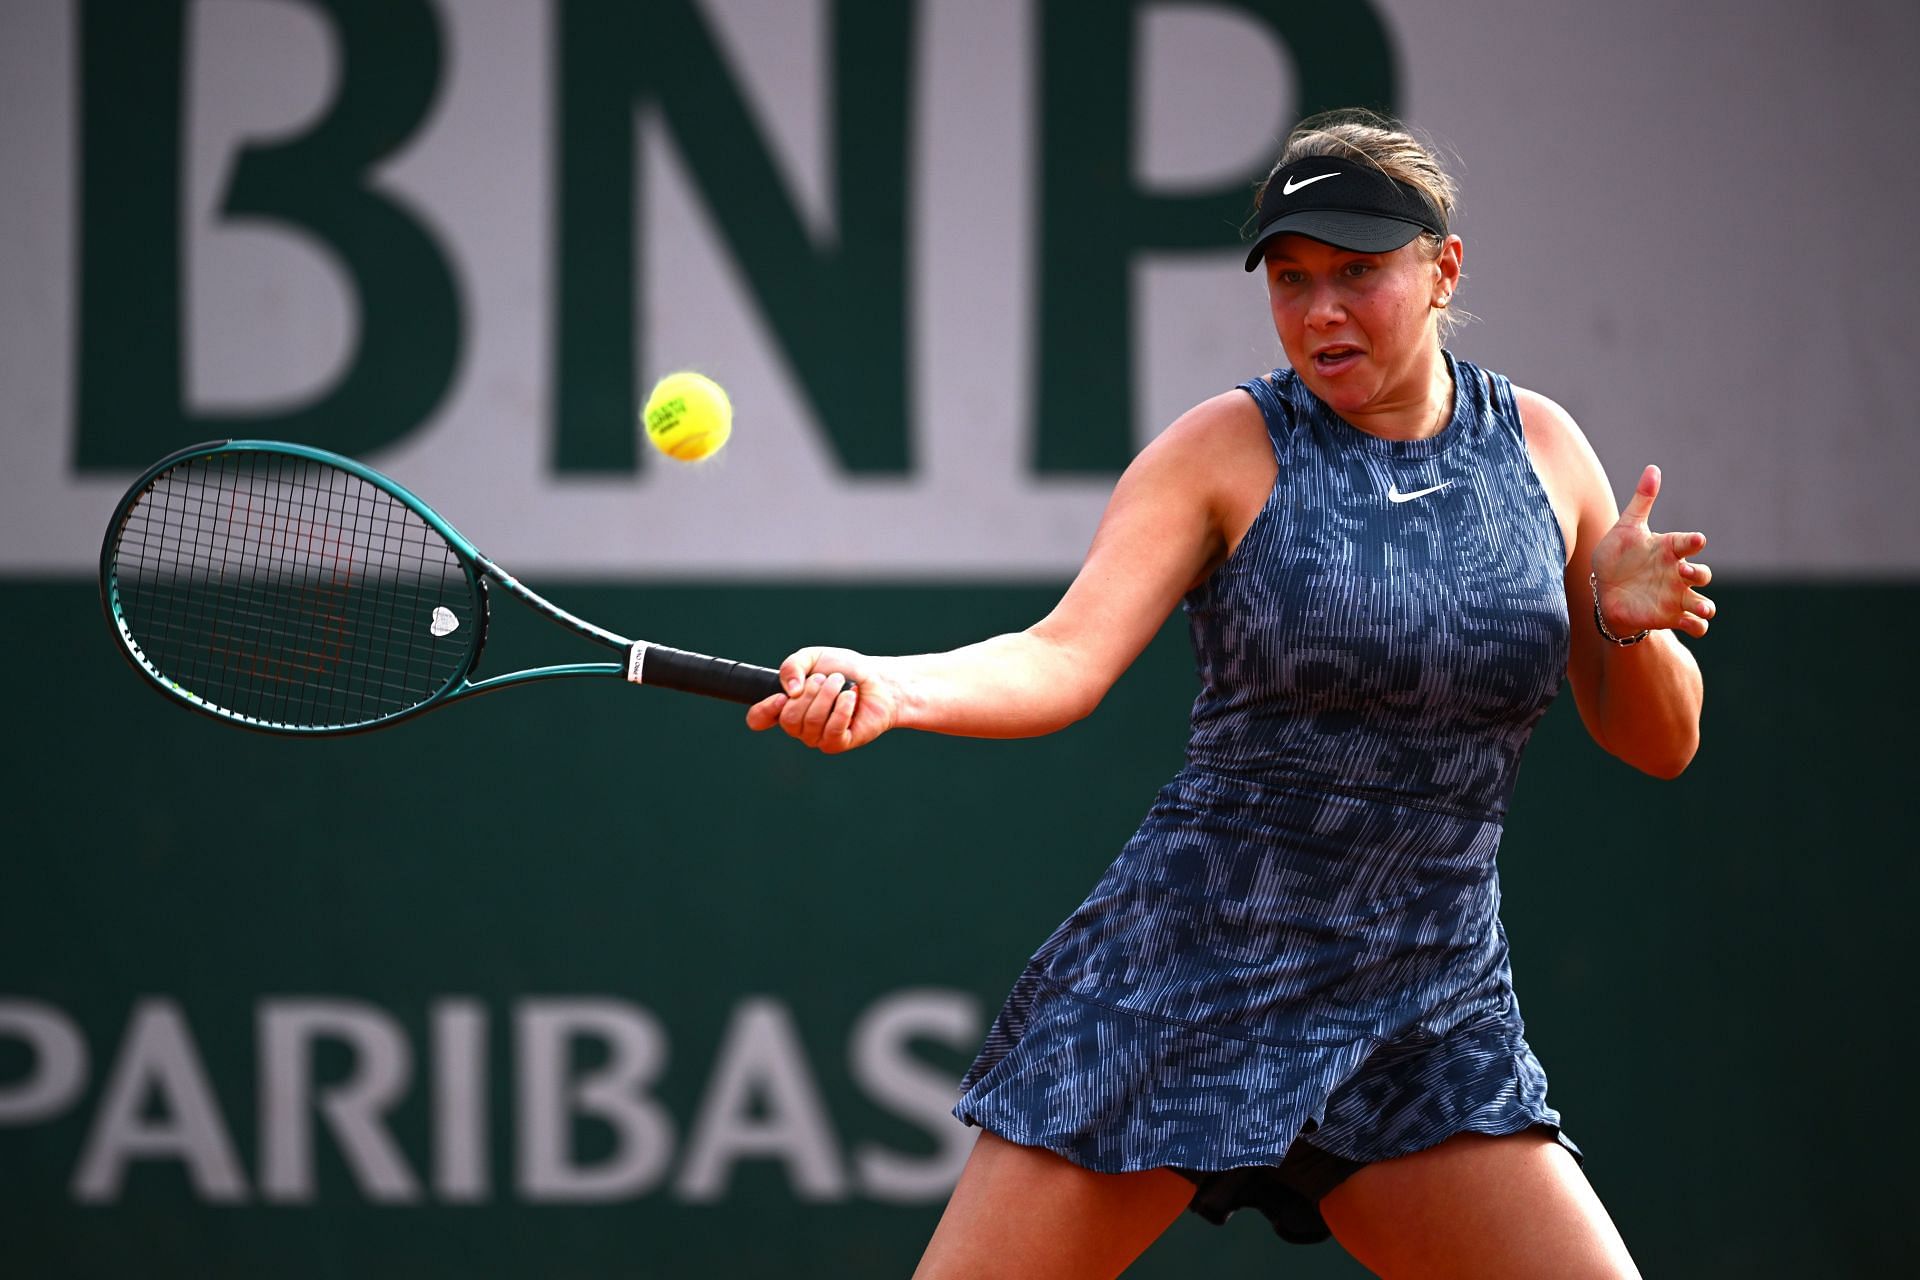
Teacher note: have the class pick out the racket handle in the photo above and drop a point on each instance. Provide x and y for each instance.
(666, 668)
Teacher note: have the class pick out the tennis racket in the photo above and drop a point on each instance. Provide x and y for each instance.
(294, 591)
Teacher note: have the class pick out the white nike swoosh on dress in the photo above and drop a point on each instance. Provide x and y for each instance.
(1394, 494)
(1294, 184)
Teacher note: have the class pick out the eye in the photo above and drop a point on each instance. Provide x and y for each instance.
(1287, 276)
(1355, 270)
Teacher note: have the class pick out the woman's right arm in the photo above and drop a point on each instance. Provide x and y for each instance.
(1173, 516)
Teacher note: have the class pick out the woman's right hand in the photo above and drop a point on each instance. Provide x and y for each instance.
(821, 709)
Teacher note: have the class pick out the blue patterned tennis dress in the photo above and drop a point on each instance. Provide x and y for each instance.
(1300, 950)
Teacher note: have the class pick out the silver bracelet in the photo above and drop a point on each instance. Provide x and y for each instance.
(1600, 621)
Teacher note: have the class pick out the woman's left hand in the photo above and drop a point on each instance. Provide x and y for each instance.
(1646, 580)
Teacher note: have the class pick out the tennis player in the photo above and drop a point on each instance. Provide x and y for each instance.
(1291, 990)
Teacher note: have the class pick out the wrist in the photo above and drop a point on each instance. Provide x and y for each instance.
(908, 694)
(1600, 618)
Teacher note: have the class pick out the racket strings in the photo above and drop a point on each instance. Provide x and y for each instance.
(286, 590)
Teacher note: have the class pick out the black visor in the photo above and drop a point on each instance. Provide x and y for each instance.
(1345, 203)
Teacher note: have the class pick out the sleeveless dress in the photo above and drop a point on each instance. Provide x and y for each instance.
(1303, 937)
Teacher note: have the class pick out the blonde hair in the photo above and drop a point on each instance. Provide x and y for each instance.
(1367, 137)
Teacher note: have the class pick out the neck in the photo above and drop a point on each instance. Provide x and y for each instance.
(1422, 409)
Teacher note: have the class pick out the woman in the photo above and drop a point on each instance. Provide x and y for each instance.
(1291, 989)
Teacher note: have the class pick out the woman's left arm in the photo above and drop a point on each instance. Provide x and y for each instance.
(1641, 702)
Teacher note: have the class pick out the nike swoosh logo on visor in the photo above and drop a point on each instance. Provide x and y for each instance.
(1294, 184)
(1394, 495)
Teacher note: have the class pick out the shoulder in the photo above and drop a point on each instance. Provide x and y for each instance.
(1553, 437)
(1534, 407)
(1217, 432)
(1576, 483)
(1215, 461)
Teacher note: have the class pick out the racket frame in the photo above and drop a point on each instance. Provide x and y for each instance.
(477, 567)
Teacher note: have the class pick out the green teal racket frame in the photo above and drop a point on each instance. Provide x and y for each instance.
(643, 663)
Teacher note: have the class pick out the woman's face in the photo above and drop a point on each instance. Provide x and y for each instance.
(1359, 327)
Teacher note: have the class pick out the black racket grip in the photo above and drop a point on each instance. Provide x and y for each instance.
(741, 682)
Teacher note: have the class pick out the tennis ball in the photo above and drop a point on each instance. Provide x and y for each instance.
(688, 417)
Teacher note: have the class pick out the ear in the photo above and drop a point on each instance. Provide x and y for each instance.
(1447, 270)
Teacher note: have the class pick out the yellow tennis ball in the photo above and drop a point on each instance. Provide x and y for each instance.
(688, 417)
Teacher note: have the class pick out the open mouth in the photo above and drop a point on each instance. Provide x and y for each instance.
(1334, 359)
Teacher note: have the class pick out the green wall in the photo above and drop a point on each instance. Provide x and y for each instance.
(1712, 968)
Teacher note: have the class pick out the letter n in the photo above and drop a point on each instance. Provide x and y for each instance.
(838, 311)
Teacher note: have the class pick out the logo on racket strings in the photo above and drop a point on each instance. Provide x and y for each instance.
(444, 623)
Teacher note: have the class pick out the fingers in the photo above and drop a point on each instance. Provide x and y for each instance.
(1641, 505)
(826, 694)
(820, 715)
(765, 713)
(837, 736)
(773, 709)
(1696, 610)
(790, 709)
(797, 667)
(793, 716)
(1684, 544)
(821, 703)
(1699, 609)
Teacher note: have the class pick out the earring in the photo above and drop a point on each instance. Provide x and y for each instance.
(1445, 298)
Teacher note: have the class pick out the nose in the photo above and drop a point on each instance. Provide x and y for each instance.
(1324, 307)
